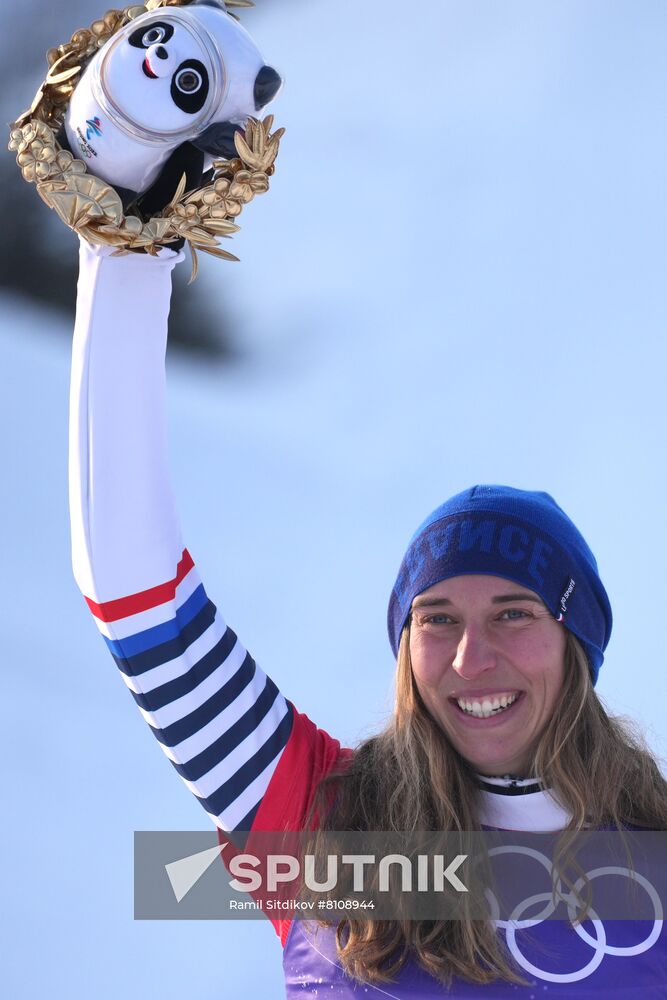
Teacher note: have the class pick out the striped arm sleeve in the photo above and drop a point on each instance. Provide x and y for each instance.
(219, 719)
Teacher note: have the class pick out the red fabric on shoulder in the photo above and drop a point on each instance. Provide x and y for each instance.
(309, 756)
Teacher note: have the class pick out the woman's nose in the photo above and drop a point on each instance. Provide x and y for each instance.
(474, 654)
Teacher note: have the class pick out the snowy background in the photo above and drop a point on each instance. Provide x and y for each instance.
(458, 277)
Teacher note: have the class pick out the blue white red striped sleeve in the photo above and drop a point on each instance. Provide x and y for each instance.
(218, 718)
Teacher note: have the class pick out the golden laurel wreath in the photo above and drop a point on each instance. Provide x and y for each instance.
(90, 205)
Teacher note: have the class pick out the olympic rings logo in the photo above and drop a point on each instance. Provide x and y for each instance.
(597, 943)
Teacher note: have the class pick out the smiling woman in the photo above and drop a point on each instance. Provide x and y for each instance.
(489, 666)
(499, 622)
(498, 617)
(491, 585)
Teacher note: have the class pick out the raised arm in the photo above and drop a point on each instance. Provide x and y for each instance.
(219, 719)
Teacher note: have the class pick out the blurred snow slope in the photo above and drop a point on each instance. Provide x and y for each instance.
(458, 277)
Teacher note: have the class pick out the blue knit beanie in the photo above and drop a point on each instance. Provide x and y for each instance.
(521, 536)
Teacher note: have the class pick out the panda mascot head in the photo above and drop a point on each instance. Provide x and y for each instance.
(179, 74)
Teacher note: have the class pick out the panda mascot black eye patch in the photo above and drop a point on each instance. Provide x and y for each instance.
(189, 86)
(151, 34)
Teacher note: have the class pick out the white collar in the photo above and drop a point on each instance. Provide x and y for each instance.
(520, 804)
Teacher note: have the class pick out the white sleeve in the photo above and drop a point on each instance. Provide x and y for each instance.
(218, 718)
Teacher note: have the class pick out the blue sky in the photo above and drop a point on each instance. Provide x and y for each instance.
(457, 277)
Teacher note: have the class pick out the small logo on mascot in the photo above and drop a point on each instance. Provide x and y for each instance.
(94, 127)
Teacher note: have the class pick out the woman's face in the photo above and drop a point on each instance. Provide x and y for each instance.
(488, 660)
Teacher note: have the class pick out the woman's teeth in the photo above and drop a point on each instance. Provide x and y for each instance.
(489, 706)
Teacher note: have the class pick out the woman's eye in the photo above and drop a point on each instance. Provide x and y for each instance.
(188, 81)
(437, 620)
(513, 614)
(153, 35)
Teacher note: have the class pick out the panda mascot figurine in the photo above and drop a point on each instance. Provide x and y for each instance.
(164, 97)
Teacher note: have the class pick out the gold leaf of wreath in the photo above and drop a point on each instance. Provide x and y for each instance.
(92, 207)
